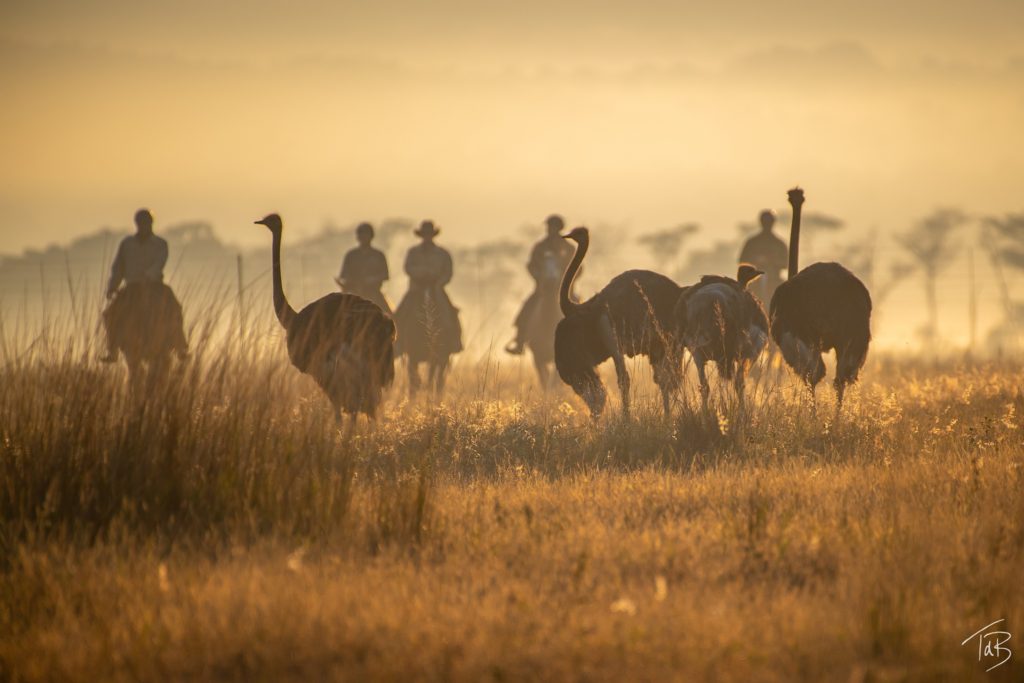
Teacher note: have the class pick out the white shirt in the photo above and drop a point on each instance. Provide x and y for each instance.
(138, 260)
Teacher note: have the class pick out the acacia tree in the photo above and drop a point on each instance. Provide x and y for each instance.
(1003, 239)
(861, 258)
(931, 246)
(815, 224)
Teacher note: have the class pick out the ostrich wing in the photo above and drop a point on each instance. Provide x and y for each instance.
(323, 326)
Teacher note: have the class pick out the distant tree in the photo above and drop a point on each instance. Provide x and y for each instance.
(665, 245)
(717, 259)
(860, 258)
(818, 220)
(931, 246)
(815, 224)
(390, 228)
(485, 274)
(1003, 239)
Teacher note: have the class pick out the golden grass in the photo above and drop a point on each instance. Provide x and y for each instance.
(220, 528)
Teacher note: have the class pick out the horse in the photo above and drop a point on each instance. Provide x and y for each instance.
(145, 323)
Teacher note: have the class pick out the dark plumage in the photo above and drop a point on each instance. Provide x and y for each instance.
(720, 321)
(820, 308)
(823, 307)
(343, 341)
(631, 316)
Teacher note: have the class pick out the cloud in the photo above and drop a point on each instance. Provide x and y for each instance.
(844, 60)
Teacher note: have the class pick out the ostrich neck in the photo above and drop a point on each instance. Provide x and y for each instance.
(284, 310)
(794, 242)
(567, 305)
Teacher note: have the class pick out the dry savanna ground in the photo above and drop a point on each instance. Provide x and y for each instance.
(218, 527)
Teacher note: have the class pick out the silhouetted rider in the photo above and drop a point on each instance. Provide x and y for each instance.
(365, 269)
(767, 252)
(426, 317)
(140, 257)
(548, 261)
(139, 264)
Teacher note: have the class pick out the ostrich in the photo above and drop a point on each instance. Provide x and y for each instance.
(720, 321)
(822, 307)
(342, 341)
(631, 316)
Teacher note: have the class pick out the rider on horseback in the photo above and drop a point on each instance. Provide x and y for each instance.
(428, 323)
(139, 264)
(365, 269)
(548, 261)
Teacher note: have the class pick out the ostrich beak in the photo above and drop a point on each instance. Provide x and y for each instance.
(262, 221)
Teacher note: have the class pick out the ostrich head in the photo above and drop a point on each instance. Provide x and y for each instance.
(272, 221)
(746, 274)
(804, 361)
(796, 197)
(577, 235)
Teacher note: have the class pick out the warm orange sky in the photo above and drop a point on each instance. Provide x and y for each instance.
(486, 115)
(505, 31)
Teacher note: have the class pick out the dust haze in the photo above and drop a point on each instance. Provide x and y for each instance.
(486, 119)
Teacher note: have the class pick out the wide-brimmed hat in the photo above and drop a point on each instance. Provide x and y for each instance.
(426, 229)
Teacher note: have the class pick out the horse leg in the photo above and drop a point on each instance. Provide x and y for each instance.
(159, 370)
(440, 370)
(543, 374)
(431, 376)
(350, 424)
(612, 344)
(414, 377)
(339, 418)
(136, 377)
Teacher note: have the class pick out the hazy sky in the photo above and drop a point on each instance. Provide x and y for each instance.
(505, 30)
(484, 115)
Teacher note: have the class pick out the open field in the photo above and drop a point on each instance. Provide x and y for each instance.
(222, 529)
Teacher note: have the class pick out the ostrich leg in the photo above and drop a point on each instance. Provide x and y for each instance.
(665, 367)
(739, 380)
(848, 363)
(612, 344)
(700, 361)
(663, 379)
(840, 385)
